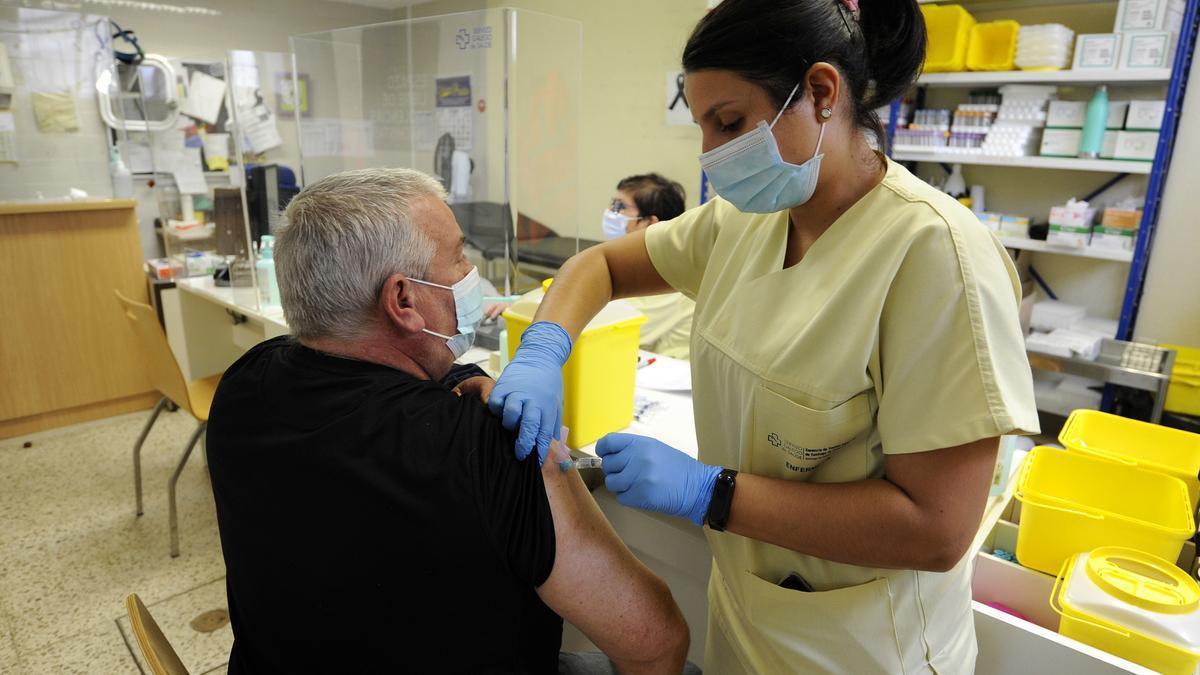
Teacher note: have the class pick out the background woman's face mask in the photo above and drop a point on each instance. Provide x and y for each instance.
(615, 224)
(749, 172)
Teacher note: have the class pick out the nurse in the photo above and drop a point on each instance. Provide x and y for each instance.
(856, 353)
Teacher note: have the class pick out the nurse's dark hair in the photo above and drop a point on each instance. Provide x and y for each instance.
(654, 195)
(773, 43)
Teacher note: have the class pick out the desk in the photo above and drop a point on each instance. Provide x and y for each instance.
(59, 265)
(673, 548)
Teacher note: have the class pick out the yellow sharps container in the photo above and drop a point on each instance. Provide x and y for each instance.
(598, 379)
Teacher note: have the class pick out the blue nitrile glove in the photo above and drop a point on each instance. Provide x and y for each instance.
(530, 389)
(651, 475)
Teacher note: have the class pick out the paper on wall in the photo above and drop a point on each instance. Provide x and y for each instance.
(457, 123)
(8, 137)
(259, 130)
(137, 156)
(216, 151)
(188, 172)
(205, 96)
(55, 112)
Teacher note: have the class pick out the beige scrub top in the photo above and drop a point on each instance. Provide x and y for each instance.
(668, 327)
(896, 333)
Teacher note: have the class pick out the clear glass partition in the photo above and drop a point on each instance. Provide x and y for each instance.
(488, 102)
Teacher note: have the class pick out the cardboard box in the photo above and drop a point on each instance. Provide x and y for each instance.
(1064, 235)
(1121, 219)
(1066, 217)
(1066, 114)
(1060, 142)
(1139, 145)
(1117, 111)
(1152, 49)
(1014, 226)
(1113, 238)
(1097, 51)
(1135, 15)
(1145, 115)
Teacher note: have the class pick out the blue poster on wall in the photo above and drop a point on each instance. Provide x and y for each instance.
(454, 92)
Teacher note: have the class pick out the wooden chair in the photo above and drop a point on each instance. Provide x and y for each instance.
(194, 397)
(160, 656)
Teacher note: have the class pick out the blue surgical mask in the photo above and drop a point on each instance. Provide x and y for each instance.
(468, 307)
(749, 172)
(614, 224)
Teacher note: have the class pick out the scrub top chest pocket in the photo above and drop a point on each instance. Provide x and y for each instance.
(792, 441)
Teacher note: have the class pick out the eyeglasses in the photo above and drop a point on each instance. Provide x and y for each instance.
(618, 206)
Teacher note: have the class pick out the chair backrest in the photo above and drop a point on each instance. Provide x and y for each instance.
(159, 654)
(160, 360)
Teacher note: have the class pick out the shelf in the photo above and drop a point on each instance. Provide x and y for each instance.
(1065, 163)
(1117, 77)
(1111, 366)
(1082, 252)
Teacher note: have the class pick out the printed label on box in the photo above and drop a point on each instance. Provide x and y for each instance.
(1098, 51)
(1147, 51)
(1140, 15)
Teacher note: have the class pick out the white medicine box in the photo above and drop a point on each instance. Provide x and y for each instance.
(1060, 142)
(1097, 51)
(1066, 114)
(1149, 15)
(1152, 49)
(1116, 114)
(1145, 115)
(1138, 145)
(1109, 149)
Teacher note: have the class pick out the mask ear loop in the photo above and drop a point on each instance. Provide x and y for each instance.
(820, 137)
(785, 104)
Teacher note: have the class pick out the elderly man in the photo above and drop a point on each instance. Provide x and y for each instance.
(373, 520)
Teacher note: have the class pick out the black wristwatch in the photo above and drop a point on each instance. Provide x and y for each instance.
(722, 500)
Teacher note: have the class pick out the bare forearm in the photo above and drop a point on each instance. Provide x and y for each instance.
(580, 290)
(872, 523)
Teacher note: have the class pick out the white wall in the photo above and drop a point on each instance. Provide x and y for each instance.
(1170, 310)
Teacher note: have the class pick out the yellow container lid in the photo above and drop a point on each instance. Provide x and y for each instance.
(1132, 594)
(1143, 580)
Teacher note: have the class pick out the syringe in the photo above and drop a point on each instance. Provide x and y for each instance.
(581, 463)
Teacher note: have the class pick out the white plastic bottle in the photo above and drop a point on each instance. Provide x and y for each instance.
(122, 179)
(268, 285)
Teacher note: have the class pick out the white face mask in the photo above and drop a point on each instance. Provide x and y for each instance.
(749, 172)
(615, 224)
(468, 308)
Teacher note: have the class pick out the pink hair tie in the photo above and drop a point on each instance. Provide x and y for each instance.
(851, 5)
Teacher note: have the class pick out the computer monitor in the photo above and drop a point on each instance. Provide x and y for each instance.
(269, 188)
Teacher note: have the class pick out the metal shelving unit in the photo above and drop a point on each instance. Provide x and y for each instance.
(1031, 162)
(1175, 80)
(1127, 364)
(1025, 244)
(1063, 77)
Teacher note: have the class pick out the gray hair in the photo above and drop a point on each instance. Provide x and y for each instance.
(341, 238)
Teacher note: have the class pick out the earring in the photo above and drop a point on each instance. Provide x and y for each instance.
(826, 113)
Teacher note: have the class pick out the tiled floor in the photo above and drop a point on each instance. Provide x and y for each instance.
(71, 549)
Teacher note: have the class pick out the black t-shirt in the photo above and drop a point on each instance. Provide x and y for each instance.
(373, 522)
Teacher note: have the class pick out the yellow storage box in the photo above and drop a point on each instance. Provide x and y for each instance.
(599, 376)
(948, 28)
(1183, 393)
(993, 46)
(1136, 443)
(1133, 605)
(1072, 503)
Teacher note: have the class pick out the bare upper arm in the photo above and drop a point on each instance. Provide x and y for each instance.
(599, 586)
(630, 268)
(949, 485)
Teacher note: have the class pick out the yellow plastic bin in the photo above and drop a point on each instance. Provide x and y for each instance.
(1183, 393)
(1133, 605)
(993, 46)
(949, 31)
(1136, 443)
(1072, 503)
(598, 379)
